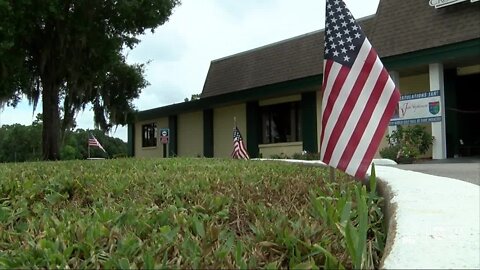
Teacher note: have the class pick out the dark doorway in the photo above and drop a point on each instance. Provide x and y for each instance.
(463, 116)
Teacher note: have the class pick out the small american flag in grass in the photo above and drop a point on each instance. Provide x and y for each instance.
(359, 96)
(239, 151)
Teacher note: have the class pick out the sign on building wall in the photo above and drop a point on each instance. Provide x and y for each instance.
(418, 108)
(444, 3)
(164, 135)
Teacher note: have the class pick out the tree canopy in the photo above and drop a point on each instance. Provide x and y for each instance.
(69, 54)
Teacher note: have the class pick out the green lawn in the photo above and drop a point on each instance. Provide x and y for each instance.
(184, 213)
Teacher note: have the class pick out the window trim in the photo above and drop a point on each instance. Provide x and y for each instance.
(294, 122)
(155, 133)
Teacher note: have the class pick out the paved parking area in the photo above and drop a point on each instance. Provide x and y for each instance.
(463, 169)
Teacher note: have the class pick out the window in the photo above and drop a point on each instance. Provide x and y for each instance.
(281, 123)
(149, 135)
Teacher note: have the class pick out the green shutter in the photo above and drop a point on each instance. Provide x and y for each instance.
(208, 133)
(131, 140)
(309, 122)
(253, 128)
(172, 125)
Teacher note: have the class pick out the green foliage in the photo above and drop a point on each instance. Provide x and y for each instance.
(407, 143)
(192, 97)
(361, 227)
(19, 143)
(306, 156)
(279, 156)
(69, 54)
(300, 156)
(182, 213)
(68, 152)
(390, 152)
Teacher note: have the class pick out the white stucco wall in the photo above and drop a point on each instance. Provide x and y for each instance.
(190, 134)
(223, 122)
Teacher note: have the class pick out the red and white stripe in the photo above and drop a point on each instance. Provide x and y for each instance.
(94, 142)
(357, 105)
(239, 150)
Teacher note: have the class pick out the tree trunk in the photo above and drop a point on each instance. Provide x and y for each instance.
(51, 121)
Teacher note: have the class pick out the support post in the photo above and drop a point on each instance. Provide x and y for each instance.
(439, 148)
(396, 79)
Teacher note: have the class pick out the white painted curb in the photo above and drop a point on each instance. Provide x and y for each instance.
(433, 221)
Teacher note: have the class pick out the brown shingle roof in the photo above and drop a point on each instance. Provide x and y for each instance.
(400, 26)
(404, 26)
(296, 58)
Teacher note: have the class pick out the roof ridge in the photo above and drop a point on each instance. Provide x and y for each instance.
(282, 41)
(268, 45)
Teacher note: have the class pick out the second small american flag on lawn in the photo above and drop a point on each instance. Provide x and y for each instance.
(239, 150)
(359, 97)
(92, 141)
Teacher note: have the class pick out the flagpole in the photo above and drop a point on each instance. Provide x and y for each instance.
(332, 174)
(234, 121)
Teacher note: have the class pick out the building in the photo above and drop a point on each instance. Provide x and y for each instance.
(274, 91)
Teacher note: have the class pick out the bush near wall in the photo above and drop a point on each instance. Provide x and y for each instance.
(406, 144)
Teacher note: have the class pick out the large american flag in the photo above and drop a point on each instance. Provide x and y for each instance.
(359, 97)
(239, 150)
(92, 141)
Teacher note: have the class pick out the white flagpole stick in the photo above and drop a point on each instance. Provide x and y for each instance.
(332, 174)
(234, 126)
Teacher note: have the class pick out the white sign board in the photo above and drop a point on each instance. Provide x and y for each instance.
(444, 3)
(418, 108)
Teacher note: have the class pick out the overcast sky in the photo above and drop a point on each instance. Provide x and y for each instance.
(198, 32)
